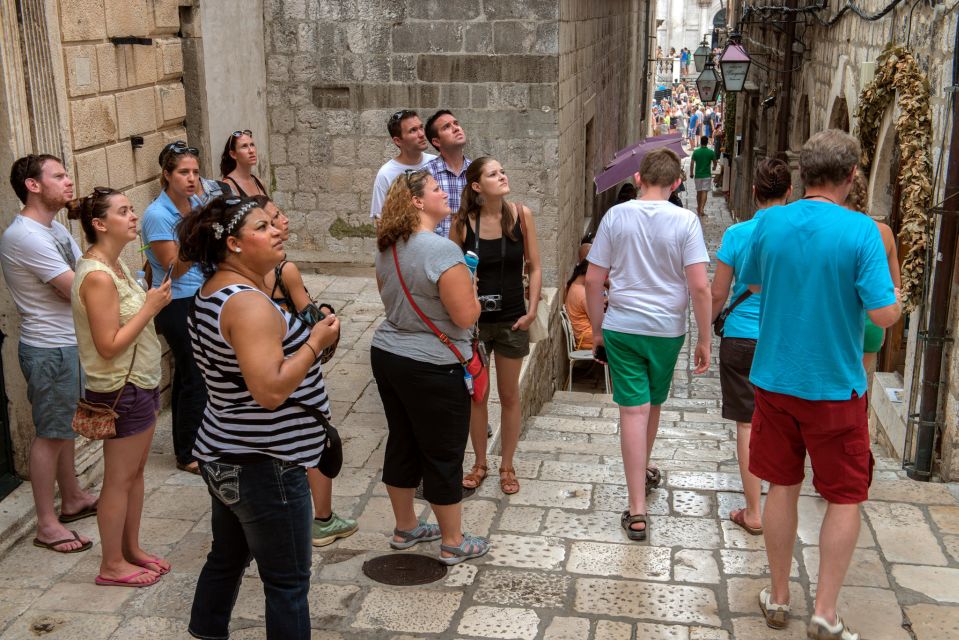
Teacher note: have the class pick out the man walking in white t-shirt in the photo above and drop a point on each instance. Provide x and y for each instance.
(38, 257)
(654, 256)
(406, 131)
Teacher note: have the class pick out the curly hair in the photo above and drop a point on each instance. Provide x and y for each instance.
(92, 206)
(399, 218)
(203, 232)
(472, 203)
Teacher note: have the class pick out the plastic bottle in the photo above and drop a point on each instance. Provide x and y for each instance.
(472, 261)
(142, 280)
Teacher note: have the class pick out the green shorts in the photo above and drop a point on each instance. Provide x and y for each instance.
(872, 337)
(641, 366)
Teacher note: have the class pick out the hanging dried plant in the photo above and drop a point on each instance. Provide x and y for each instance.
(897, 72)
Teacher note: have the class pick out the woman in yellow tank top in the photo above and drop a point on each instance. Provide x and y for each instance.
(120, 355)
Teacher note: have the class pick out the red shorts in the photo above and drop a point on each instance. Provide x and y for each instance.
(836, 434)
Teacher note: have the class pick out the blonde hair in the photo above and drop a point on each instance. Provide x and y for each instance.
(399, 218)
(858, 198)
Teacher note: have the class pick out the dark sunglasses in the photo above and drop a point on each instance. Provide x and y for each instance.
(244, 132)
(412, 172)
(102, 191)
(401, 115)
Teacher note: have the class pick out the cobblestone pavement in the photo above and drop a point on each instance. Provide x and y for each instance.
(561, 567)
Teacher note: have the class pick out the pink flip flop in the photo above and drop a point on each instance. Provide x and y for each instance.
(153, 560)
(127, 581)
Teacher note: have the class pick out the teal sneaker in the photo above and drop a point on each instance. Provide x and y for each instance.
(328, 532)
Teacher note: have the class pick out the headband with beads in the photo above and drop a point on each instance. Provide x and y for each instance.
(219, 230)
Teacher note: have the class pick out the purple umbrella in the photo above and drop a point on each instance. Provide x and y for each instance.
(628, 164)
(625, 150)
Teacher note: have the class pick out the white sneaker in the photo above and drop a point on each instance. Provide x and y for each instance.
(820, 629)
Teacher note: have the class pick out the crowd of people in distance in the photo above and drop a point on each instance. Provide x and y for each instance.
(250, 410)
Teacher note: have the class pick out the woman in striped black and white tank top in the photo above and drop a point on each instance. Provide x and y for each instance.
(261, 429)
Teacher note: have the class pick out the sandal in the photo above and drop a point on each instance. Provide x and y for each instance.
(739, 517)
(777, 615)
(508, 481)
(471, 547)
(653, 477)
(627, 520)
(423, 532)
(153, 560)
(476, 476)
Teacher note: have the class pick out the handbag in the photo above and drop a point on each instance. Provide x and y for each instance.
(719, 324)
(95, 420)
(475, 370)
(309, 315)
(331, 460)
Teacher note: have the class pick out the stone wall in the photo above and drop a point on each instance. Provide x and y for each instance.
(837, 65)
(337, 70)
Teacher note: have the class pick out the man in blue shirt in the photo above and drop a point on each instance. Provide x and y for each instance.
(819, 267)
(446, 135)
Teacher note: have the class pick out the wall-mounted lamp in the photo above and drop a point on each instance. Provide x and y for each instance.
(734, 63)
(136, 142)
(699, 57)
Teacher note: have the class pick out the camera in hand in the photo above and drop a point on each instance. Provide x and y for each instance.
(492, 302)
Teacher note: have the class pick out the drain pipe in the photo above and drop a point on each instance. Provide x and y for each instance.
(941, 296)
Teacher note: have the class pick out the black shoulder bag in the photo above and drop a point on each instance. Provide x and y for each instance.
(720, 322)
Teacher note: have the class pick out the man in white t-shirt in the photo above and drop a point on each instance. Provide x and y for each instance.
(406, 131)
(653, 254)
(38, 256)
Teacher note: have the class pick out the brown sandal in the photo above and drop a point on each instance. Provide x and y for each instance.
(508, 481)
(475, 477)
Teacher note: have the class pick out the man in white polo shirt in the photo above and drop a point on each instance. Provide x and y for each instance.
(38, 257)
(406, 131)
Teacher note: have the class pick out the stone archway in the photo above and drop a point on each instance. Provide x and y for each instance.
(839, 115)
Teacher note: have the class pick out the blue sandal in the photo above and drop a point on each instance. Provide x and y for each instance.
(471, 547)
(423, 532)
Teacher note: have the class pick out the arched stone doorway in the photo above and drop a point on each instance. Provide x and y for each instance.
(839, 116)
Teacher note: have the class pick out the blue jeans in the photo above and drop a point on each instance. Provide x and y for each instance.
(263, 511)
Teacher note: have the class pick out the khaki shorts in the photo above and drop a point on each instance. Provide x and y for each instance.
(500, 338)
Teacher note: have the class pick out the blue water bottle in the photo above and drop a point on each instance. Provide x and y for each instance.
(472, 260)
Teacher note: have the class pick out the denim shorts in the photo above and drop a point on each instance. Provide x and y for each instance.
(137, 408)
(53, 388)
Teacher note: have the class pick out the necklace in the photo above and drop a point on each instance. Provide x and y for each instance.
(241, 274)
(818, 196)
(115, 267)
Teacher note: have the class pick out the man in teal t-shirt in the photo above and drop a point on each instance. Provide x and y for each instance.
(702, 163)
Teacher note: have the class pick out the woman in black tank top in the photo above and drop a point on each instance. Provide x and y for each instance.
(285, 286)
(237, 163)
(503, 235)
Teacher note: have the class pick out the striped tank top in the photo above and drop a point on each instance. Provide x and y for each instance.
(233, 422)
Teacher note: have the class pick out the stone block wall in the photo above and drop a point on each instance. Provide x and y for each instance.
(118, 91)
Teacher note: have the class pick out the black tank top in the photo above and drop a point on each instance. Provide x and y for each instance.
(500, 271)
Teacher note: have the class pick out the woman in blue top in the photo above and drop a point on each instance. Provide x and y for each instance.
(180, 178)
(772, 187)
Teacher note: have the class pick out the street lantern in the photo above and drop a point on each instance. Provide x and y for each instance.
(701, 55)
(707, 84)
(734, 63)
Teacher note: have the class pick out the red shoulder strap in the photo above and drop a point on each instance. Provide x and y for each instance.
(439, 334)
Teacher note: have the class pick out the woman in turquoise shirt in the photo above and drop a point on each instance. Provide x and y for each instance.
(180, 178)
(771, 187)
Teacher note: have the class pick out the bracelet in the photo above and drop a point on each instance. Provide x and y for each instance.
(315, 354)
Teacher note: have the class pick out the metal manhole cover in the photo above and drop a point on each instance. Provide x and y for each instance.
(404, 569)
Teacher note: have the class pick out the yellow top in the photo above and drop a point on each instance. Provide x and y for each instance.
(107, 375)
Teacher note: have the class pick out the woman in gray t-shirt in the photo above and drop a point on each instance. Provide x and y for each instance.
(421, 382)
